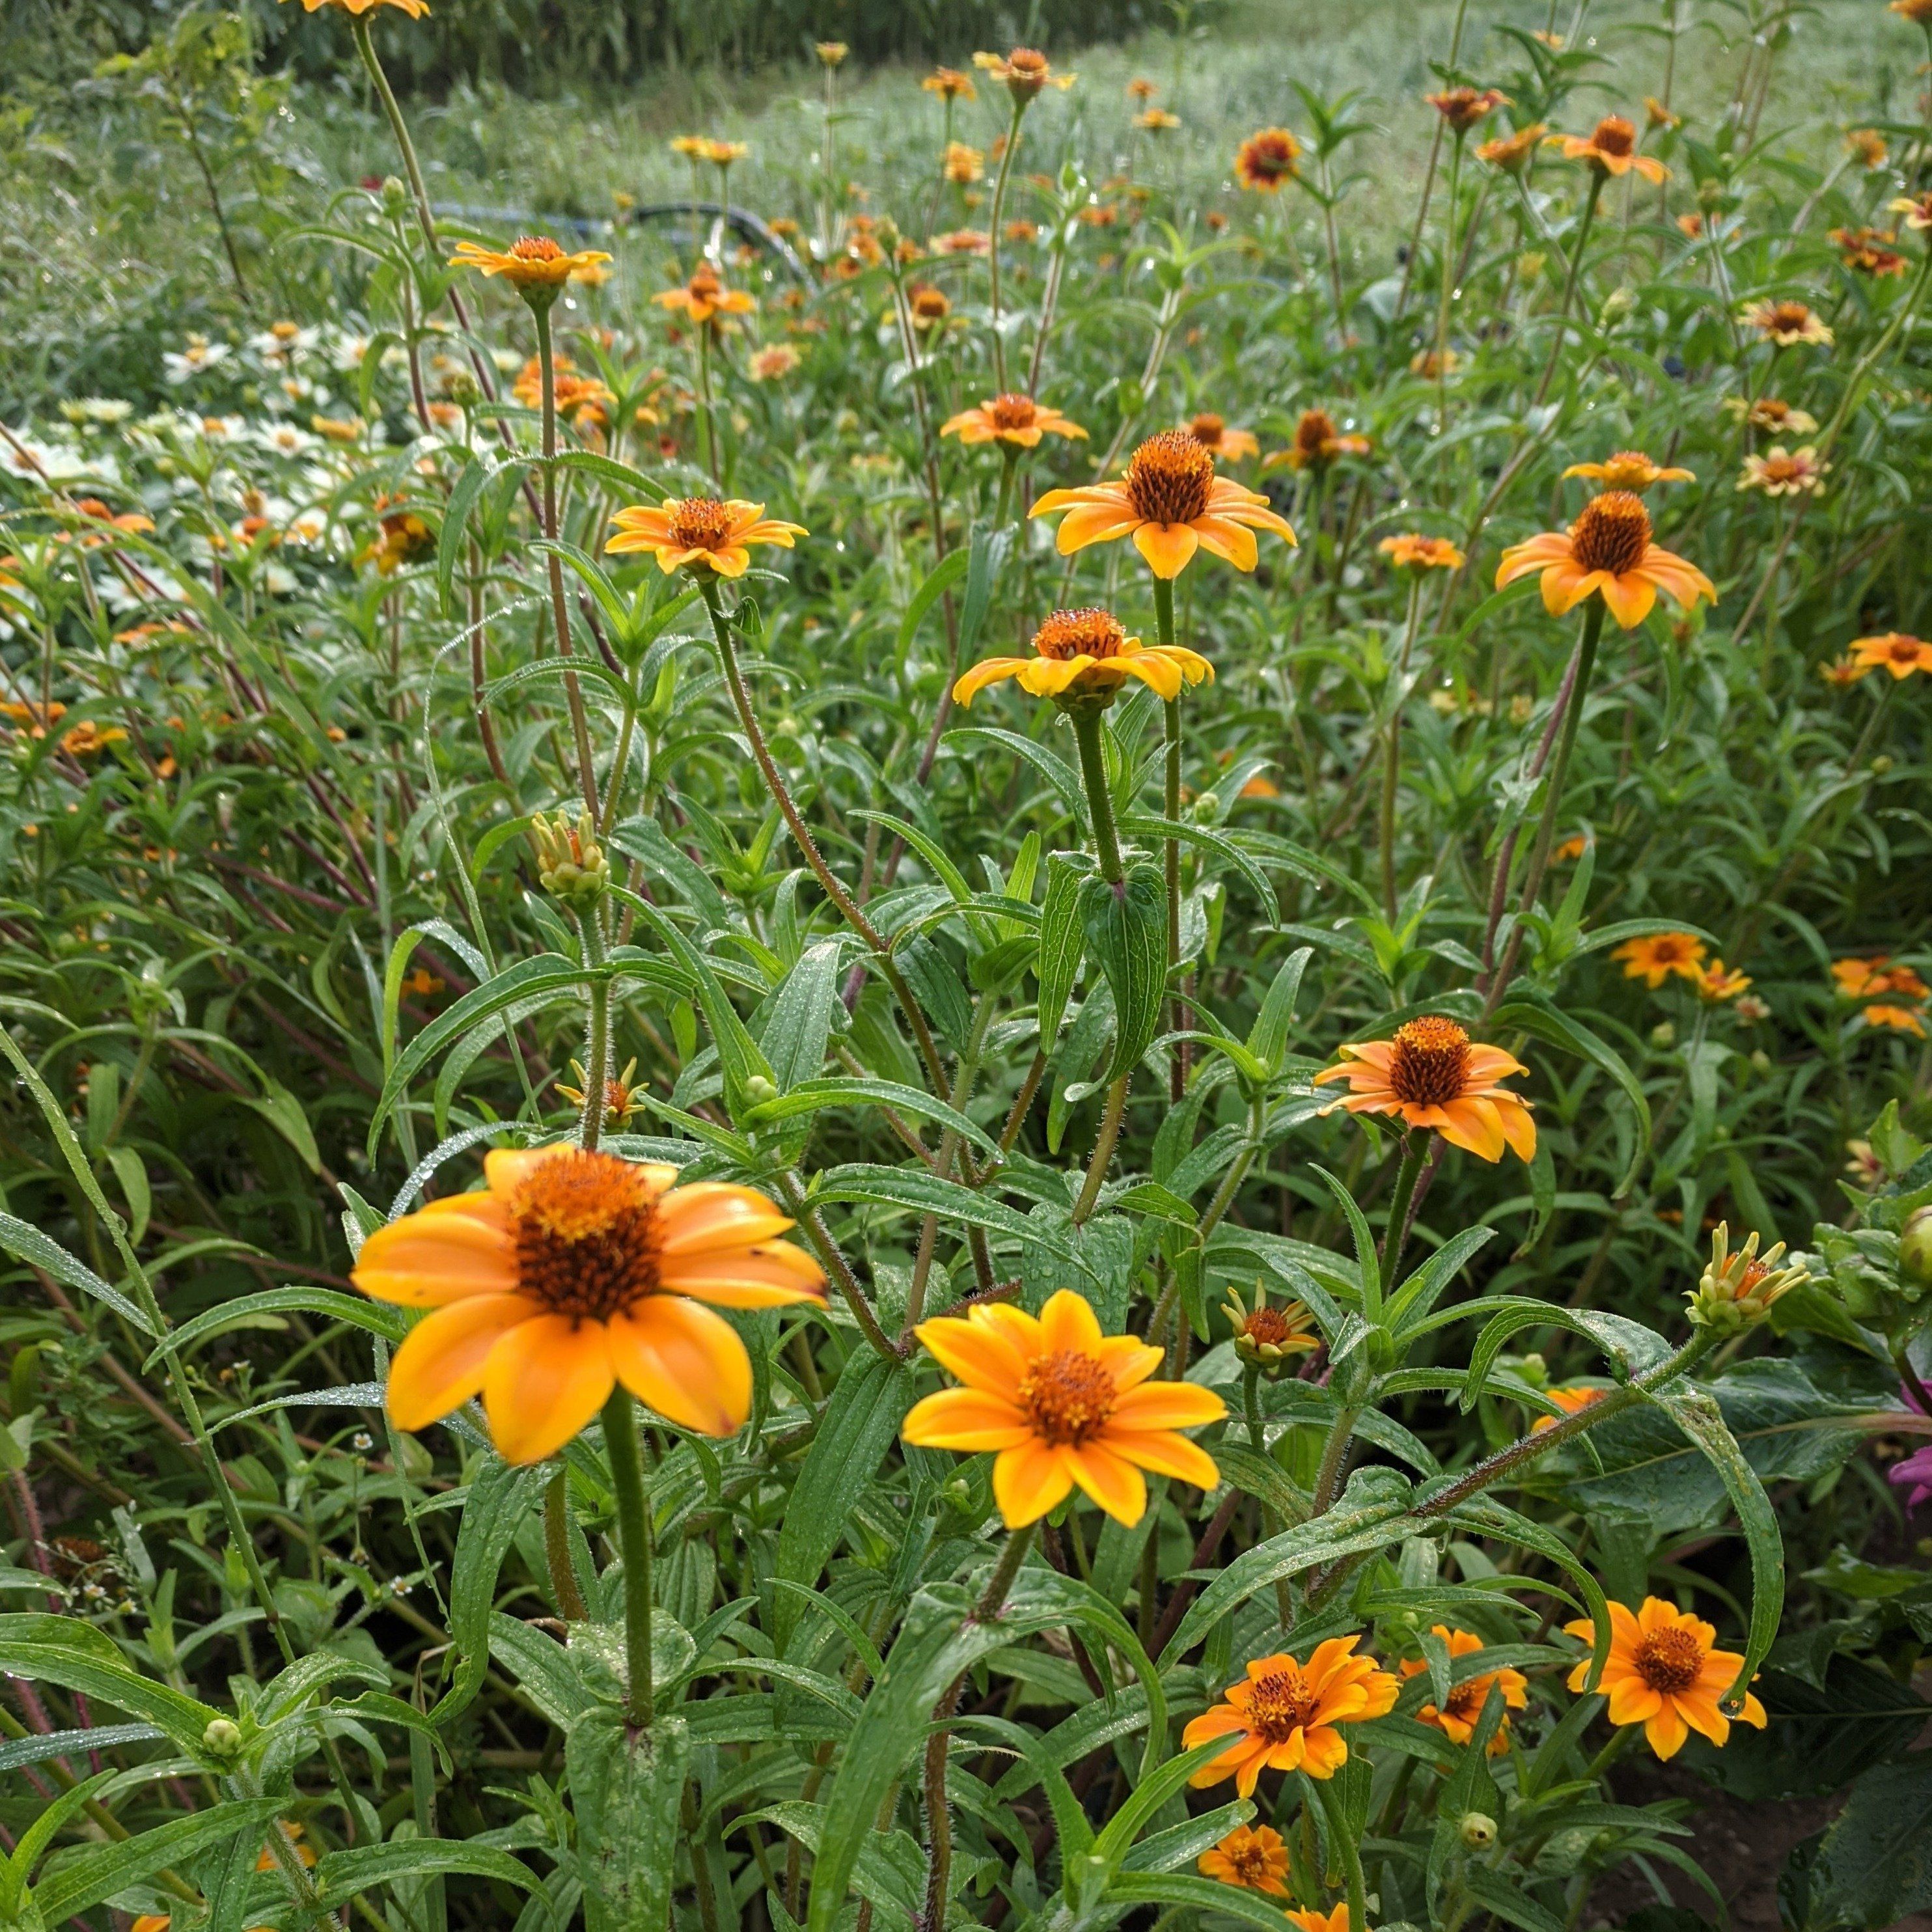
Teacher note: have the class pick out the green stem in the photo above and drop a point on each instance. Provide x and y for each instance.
(1093, 769)
(1392, 755)
(557, 1548)
(597, 1033)
(993, 241)
(1163, 610)
(1103, 1149)
(1334, 1459)
(1448, 282)
(634, 1532)
(993, 1599)
(1597, 178)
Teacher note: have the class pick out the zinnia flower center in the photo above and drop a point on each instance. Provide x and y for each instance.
(1250, 1862)
(534, 248)
(1771, 411)
(1206, 430)
(1270, 158)
(1466, 1699)
(1067, 1396)
(1614, 135)
(1280, 1704)
(1011, 412)
(1611, 533)
(1430, 1057)
(1169, 478)
(699, 522)
(1669, 951)
(1669, 1660)
(1071, 634)
(930, 305)
(1904, 650)
(1788, 317)
(587, 1234)
(1026, 60)
(1267, 1324)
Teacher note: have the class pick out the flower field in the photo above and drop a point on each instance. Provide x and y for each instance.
(1003, 1002)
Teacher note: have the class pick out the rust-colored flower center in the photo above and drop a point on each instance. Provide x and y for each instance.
(1072, 634)
(1788, 318)
(1267, 1325)
(930, 305)
(1206, 428)
(1614, 135)
(1250, 1861)
(1670, 950)
(1280, 1704)
(1169, 478)
(586, 1234)
(1012, 412)
(1611, 533)
(1466, 1699)
(1430, 1058)
(534, 248)
(699, 522)
(1669, 1660)
(1754, 1272)
(1904, 650)
(1780, 468)
(1772, 413)
(1068, 1397)
(1269, 156)
(1315, 435)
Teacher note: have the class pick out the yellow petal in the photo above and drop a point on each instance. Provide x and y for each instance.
(544, 1381)
(685, 1362)
(439, 1365)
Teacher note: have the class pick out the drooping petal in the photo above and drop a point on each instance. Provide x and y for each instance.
(1472, 1124)
(1519, 1124)
(1629, 597)
(1677, 576)
(1028, 1481)
(1632, 1700)
(1168, 548)
(714, 1216)
(773, 1276)
(987, 671)
(1153, 670)
(1232, 542)
(544, 1381)
(686, 1362)
(1111, 1480)
(439, 1365)
(1667, 1730)
(1564, 586)
(1166, 1454)
(967, 1419)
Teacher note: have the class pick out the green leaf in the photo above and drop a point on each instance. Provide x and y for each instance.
(944, 575)
(41, 1251)
(1197, 1898)
(499, 1498)
(1267, 1039)
(477, 475)
(1062, 943)
(1127, 934)
(44, 1648)
(89, 1877)
(1870, 1868)
(1051, 766)
(811, 1096)
(1531, 1014)
(627, 1790)
(340, 1875)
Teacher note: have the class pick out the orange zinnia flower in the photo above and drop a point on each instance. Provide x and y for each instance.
(1421, 553)
(1432, 1074)
(1606, 551)
(569, 1273)
(1900, 1019)
(1212, 433)
(780, 359)
(1657, 955)
(416, 9)
(963, 241)
(1512, 151)
(1318, 442)
(1663, 1674)
(531, 261)
(1779, 472)
(1786, 323)
(1253, 1858)
(704, 295)
(1171, 503)
(1570, 1401)
(1864, 250)
(1868, 145)
(1457, 1721)
(1009, 418)
(1026, 71)
(1629, 469)
(696, 530)
(1895, 653)
(1265, 160)
(1087, 654)
(963, 165)
(1610, 147)
(722, 154)
(1716, 982)
(1773, 413)
(1462, 107)
(1860, 979)
(1843, 670)
(1060, 1404)
(1337, 1920)
(949, 84)
(1282, 1717)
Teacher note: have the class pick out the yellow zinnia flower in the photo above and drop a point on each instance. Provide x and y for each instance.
(1895, 653)
(949, 84)
(1657, 955)
(569, 1273)
(696, 530)
(1265, 160)
(1781, 473)
(704, 295)
(1457, 1720)
(1025, 71)
(1462, 107)
(1629, 469)
(1009, 418)
(1512, 151)
(1663, 1674)
(1213, 435)
(1432, 1074)
(1607, 551)
(1610, 147)
(355, 9)
(531, 261)
(1282, 1715)
(1171, 503)
(1410, 552)
(1716, 982)
(1786, 323)
(1252, 1859)
(1087, 654)
(1318, 442)
(1060, 1404)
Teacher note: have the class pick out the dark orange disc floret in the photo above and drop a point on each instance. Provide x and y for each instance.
(1431, 1057)
(1072, 634)
(587, 1235)
(1669, 1660)
(700, 523)
(1614, 135)
(1169, 477)
(1611, 533)
(1067, 1397)
(1013, 412)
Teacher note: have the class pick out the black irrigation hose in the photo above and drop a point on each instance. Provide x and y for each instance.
(742, 221)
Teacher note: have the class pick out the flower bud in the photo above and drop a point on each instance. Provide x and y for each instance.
(1265, 1337)
(1915, 1249)
(1477, 1830)
(222, 1738)
(570, 862)
(758, 1090)
(395, 199)
(1207, 807)
(1736, 1290)
(1663, 1034)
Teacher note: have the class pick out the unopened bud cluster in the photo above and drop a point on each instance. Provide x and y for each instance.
(1736, 1290)
(571, 864)
(1265, 1337)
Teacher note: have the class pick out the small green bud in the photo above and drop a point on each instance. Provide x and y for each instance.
(1761, 1061)
(1663, 1034)
(1881, 764)
(1915, 1249)
(571, 864)
(1477, 1830)
(222, 1738)
(758, 1090)
(1207, 807)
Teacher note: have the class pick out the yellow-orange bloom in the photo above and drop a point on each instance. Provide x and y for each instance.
(1918, 12)
(355, 9)
(1432, 1074)
(1457, 1719)
(963, 165)
(1318, 442)
(1656, 115)
(1786, 323)
(1570, 1401)
(1156, 120)
(1860, 978)
(1009, 418)
(1917, 208)
(1610, 147)
(1782, 473)
(1894, 652)
(1657, 955)
(1629, 469)
(1716, 982)
(1337, 1920)
(1087, 654)
(1060, 1404)
(1607, 551)
(1282, 1715)
(963, 241)
(577, 395)
(775, 360)
(722, 154)
(1212, 434)
(949, 84)
(1462, 107)
(1773, 413)
(1026, 71)
(1411, 552)
(532, 261)
(1663, 1674)
(704, 295)
(1266, 160)
(1864, 250)
(571, 1272)
(1253, 1858)
(1843, 670)
(1171, 503)
(1900, 1019)
(1512, 151)
(1867, 144)
(696, 530)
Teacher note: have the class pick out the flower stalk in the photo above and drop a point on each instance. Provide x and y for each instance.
(634, 1535)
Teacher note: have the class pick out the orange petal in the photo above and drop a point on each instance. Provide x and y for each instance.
(731, 1217)
(1629, 597)
(1111, 1479)
(977, 1352)
(1232, 542)
(1028, 1481)
(1167, 1405)
(686, 1362)
(544, 1381)
(965, 1419)
(1092, 523)
(1166, 1454)
(1168, 548)
(1153, 670)
(1067, 1323)
(1666, 1731)
(423, 1260)
(988, 671)
(771, 1277)
(439, 1364)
